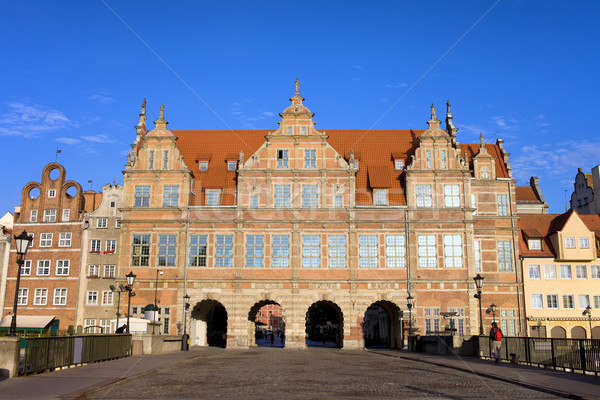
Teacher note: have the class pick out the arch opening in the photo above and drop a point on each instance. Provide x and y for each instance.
(382, 326)
(71, 191)
(54, 174)
(208, 324)
(558, 332)
(324, 325)
(577, 332)
(34, 193)
(267, 324)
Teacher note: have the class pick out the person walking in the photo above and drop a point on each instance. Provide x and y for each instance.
(496, 341)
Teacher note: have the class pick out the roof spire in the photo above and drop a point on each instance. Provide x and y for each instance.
(433, 122)
(161, 118)
(297, 87)
(433, 112)
(143, 107)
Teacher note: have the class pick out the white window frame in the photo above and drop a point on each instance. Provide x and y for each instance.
(282, 158)
(92, 298)
(338, 201)
(395, 251)
(310, 196)
(107, 298)
(399, 165)
(381, 197)
(477, 254)
(63, 267)
(535, 244)
(595, 271)
(110, 245)
(310, 158)
(453, 251)
(336, 251)
(64, 239)
(33, 216)
(280, 251)
(46, 239)
(566, 271)
(95, 245)
(581, 271)
(43, 268)
(568, 302)
(505, 262)
(535, 271)
(502, 205)
(424, 195)
(537, 301)
(282, 195)
(198, 250)
(368, 251)
(50, 215)
(427, 251)
(23, 297)
(570, 243)
(452, 195)
(52, 193)
(109, 270)
(93, 271)
(40, 297)
(202, 165)
(552, 301)
(60, 297)
(170, 195)
(583, 301)
(102, 223)
(255, 250)
(443, 158)
(212, 197)
(224, 251)
(311, 251)
(26, 268)
(550, 271)
(231, 165)
(142, 196)
(584, 243)
(66, 214)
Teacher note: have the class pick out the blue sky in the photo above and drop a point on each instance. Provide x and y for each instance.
(74, 74)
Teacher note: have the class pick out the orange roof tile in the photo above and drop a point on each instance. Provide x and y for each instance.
(526, 194)
(379, 176)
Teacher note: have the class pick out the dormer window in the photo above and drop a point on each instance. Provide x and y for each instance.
(570, 243)
(485, 173)
(282, 158)
(203, 165)
(356, 164)
(584, 243)
(212, 197)
(399, 165)
(535, 244)
(51, 193)
(231, 165)
(381, 197)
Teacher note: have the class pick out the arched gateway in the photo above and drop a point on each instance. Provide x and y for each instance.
(382, 325)
(208, 324)
(324, 325)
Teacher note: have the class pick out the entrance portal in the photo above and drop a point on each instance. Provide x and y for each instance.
(269, 325)
(208, 325)
(324, 325)
(382, 326)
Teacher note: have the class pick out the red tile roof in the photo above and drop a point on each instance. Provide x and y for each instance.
(526, 194)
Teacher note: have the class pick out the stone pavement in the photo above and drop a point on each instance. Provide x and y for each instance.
(276, 373)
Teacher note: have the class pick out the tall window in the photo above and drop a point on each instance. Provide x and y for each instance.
(170, 196)
(64, 239)
(26, 268)
(597, 302)
(280, 251)
(93, 271)
(570, 243)
(565, 272)
(303, 130)
(428, 155)
(45, 240)
(66, 214)
(95, 245)
(23, 297)
(381, 197)
(142, 196)
(338, 201)
(62, 267)
(309, 195)
(151, 160)
(568, 301)
(399, 165)
(107, 298)
(537, 301)
(336, 254)
(443, 158)
(395, 251)
(427, 251)
(254, 201)
(282, 158)
(282, 195)
(595, 271)
(109, 271)
(477, 254)
(583, 300)
(310, 159)
(550, 271)
(451, 196)
(33, 216)
(502, 204)
(101, 223)
(509, 322)
(432, 319)
(212, 197)
(231, 165)
(89, 325)
(105, 325)
(584, 243)
(92, 298)
(224, 251)
(140, 252)
(50, 215)
(485, 173)
(40, 297)
(165, 159)
(167, 248)
(474, 203)
(534, 272)
(43, 267)
(504, 256)
(581, 271)
(198, 245)
(368, 251)
(111, 245)
(60, 297)
(458, 320)
(424, 196)
(311, 251)
(254, 250)
(552, 301)
(453, 254)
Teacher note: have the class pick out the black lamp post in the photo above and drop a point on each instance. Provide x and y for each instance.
(493, 310)
(588, 312)
(409, 304)
(130, 280)
(22, 242)
(184, 340)
(121, 290)
(155, 300)
(479, 283)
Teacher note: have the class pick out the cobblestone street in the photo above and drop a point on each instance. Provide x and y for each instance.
(275, 373)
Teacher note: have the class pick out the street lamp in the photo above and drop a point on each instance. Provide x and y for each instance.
(588, 312)
(121, 290)
(493, 310)
(130, 280)
(409, 304)
(184, 341)
(155, 294)
(22, 242)
(479, 283)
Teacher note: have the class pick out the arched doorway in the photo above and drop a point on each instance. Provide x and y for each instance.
(558, 332)
(577, 332)
(208, 324)
(381, 326)
(267, 324)
(596, 332)
(324, 325)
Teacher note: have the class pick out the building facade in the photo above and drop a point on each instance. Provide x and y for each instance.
(582, 198)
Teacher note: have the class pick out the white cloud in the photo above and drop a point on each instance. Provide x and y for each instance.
(98, 139)
(102, 99)
(357, 67)
(268, 113)
(396, 85)
(20, 119)
(67, 140)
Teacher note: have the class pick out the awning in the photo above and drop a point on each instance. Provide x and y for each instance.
(28, 321)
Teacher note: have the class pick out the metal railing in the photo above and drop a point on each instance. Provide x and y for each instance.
(577, 355)
(47, 353)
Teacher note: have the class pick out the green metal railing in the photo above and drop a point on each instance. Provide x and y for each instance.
(47, 353)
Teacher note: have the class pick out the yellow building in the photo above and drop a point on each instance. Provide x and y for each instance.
(561, 274)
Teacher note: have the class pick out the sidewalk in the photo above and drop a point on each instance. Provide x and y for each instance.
(566, 384)
(74, 382)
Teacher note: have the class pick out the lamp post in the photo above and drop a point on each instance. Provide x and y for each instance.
(409, 304)
(588, 312)
(184, 341)
(22, 242)
(155, 299)
(479, 283)
(493, 310)
(121, 290)
(130, 280)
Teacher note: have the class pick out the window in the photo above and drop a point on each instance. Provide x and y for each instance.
(64, 239)
(509, 322)
(568, 301)
(583, 300)
(597, 302)
(485, 173)
(212, 197)
(595, 271)
(89, 325)
(280, 251)
(203, 165)
(26, 268)
(107, 298)
(109, 271)
(60, 297)
(424, 196)
(170, 196)
(432, 319)
(40, 297)
(101, 223)
(536, 301)
(51, 193)
(570, 243)
(427, 251)
(165, 159)
(93, 271)
(453, 251)
(92, 298)
(565, 272)
(443, 158)
(290, 130)
(368, 251)
(477, 254)
(151, 160)
(112, 204)
(33, 216)
(451, 196)
(338, 201)
(311, 251)
(95, 245)
(395, 251)
(23, 297)
(581, 271)
(502, 205)
(309, 195)
(550, 271)
(504, 256)
(458, 320)
(105, 325)
(337, 251)
(552, 301)
(534, 272)
(45, 240)
(428, 156)
(474, 203)
(356, 164)
(535, 244)
(198, 245)
(140, 252)
(254, 201)
(142, 196)
(167, 248)
(399, 165)
(166, 326)
(231, 165)
(254, 250)
(381, 197)
(584, 243)
(111, 246)
(303, 130)
(62, 267)
(282, 158)
(43, 267)
(310, 159)
(50, 215)
(224, 251)
(118, 223)
(282, 195)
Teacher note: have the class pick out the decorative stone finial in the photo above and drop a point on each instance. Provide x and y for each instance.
(143, 107)
(481, 141)
(433, 112)
(161, 117)
(448, 114)
(297, 87)
(241, 157)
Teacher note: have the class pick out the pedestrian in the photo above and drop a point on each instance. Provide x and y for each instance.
(496, 341)
(272, 338)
